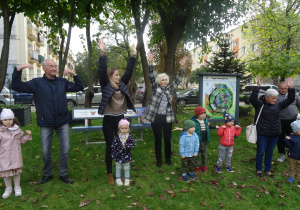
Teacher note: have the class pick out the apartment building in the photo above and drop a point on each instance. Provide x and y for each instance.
(28, 45)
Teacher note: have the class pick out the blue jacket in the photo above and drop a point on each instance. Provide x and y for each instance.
(189, 145)
(294, 146)
(108, 90)
(49, 97)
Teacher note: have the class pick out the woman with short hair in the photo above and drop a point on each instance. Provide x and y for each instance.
(159, 110)
(268, 126)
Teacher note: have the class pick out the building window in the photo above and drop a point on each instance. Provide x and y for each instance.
(235, 43)
(235, 56)
(243, 50)
(216, 46)
(210, 59)
(254, 47)
(210, 49)
(244, 35)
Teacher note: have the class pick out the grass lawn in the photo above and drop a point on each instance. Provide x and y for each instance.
(152, 187)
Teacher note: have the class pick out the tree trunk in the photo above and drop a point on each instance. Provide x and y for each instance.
(6, 41)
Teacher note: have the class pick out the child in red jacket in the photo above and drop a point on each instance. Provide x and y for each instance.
(227, 133)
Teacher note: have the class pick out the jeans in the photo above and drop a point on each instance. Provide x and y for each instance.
(126, 167)
(160, 124)
(63, 135)
(224, 153)
(265, 146)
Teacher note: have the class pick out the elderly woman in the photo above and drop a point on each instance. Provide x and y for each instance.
(159, 111)
(115, 101)
(268, 125)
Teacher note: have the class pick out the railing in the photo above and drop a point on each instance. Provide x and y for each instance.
(32, 33)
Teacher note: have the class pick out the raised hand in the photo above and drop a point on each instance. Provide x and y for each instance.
(102, 45)
(258, 81)
(177, 129)
(134, 53)
(28, 132)
(183, 61)
(23, 66)
(290, 82)
(150, 58)
(69, 71)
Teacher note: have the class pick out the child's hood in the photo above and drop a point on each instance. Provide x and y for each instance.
(184, 133)
(194, 118)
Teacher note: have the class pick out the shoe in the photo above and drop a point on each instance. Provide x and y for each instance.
(169, 162)
(18, 191)
(259, 174)
(66, 179)
(229, 169)
(119, 182)
(197, 169)
(158, 163)
(7, 193)
(270, 174)
(185, 178)
(45, 179)
(281, 158)
(291, 180)
(204, 168)
(127, 182)
(218, 169)
(110, 179)
(192, 175)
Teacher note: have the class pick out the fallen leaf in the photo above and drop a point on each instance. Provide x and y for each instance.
(81, 196)
(38, 189)
(172, 185)
(99, 204)
(32, 183)
(257, 195)
(282, 204)
(86, 202)
(25, 199)
(254, 187)
(37, 156)
(45, 196)
(144, 177)
(242, 178)
(250, 168)
(36, 200)
(203, 203)
(163, 198)
(84, 179)
(67, 190)
(160, 171)
(150, 194)
(184, 190)
(221, 204)
(167, 178)
(235, 184)
(173, 173)
(266, 192)
(261, 190)
(238, 197)
(44, 206)
(76, 149)
(238, 193)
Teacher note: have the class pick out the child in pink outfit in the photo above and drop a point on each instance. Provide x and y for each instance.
(227, 133)
(11, 163)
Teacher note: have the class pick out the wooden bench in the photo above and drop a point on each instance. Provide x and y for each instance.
(92, 113)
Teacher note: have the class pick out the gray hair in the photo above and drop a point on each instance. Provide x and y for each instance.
(44, 63)
(160, 77)
(271, 92)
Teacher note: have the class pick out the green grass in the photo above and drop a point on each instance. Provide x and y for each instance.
(153, 188)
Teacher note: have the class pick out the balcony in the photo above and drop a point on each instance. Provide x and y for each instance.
(40, 40)
(70, 66)
(32, 34)
(40, 59)
(33, 57)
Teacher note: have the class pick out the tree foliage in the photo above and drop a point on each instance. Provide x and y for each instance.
(223, 61)
(194, 77)
(274, 26)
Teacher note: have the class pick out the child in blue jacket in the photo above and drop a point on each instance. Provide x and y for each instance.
(293, 143)
(189, 148)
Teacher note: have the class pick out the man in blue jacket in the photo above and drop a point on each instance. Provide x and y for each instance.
(49, 94)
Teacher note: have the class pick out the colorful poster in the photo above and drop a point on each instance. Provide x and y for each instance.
(219, 95)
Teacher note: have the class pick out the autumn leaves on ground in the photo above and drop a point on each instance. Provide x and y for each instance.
(151, 187)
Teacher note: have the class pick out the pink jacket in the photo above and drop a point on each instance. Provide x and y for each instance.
(10, 148)
(227, 135)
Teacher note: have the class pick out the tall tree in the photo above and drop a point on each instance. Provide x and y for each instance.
(273, 32)
(8, 10)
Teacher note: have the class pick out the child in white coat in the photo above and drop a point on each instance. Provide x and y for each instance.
(11, 162)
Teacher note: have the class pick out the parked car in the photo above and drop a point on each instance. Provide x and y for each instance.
(6, 97)
(23, 98)
(139, 94)
(188, 96)
(75, 99)
(248, 90)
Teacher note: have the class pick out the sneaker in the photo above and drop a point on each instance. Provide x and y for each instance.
(281, 158)
(185, 178)
(229, 169)
(119, 182)
(218, 169)
(204, 168)
(7, 193)
(169, 162)
(291, 180)
(18, 191)
(192, 175)
(197, 169)
(127, 182)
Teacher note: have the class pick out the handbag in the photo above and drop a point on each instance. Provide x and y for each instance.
(251, 133)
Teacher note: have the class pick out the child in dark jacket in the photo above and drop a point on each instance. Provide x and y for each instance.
(202, 130)
(121, 147)
(227, 133)
(189, 148)
(293, 143)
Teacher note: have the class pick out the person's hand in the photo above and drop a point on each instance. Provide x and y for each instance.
(28, 132)
(258, 81)
(183, 61)
(102, 45)
(69, 71)
(195, 155)
(223, 126)
(182, 157)
(150, 58)
(134, 53)
(287, 137)
(237, 126)
(177, 129)
(290, 82)
(217, 126)
(23, 66)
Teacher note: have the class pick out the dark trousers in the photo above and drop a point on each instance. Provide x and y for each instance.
(188, 164)
(265, 147)
(110, 129)
(160, 124)
(286, 130)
